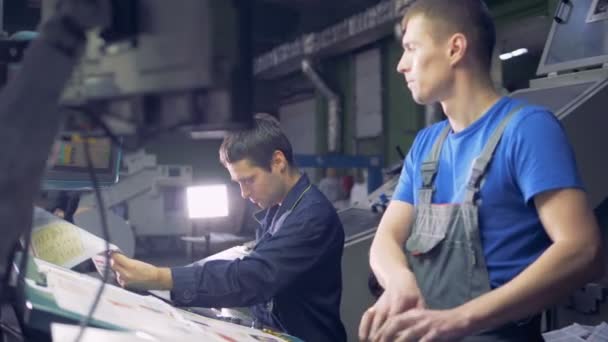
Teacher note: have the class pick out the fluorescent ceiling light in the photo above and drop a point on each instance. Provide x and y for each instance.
(515, 53)
(205, 201)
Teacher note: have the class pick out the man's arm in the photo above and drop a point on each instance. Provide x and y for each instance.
(299, 245)
(574, 258)
(544, 168)
(389, 264)
(386, 253)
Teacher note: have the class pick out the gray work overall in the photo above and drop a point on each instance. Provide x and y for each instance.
(444, 249)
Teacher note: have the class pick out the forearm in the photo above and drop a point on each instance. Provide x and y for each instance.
(164, 279)
(563, 267)
(221, 283)
(387, 259)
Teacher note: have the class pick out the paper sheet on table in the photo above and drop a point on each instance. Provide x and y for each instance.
(236, 252)
(244, 333)
(65, 332)
(75, 292)
(578, 333)
(63, 243)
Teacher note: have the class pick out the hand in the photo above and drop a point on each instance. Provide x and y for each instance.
(136, 274)
(402, 294)
(424, 325)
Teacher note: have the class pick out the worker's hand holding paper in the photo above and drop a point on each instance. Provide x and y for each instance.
(101, 263)
(138, 275)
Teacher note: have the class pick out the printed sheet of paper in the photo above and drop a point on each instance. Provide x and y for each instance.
(47, 267)
(99, 260)
(574, 333)
(75, 292)
(600, 333)
(59, 245)
(166, 295)
(236, 252)
(239, 332)
(65, 332)
(62, 243)
(117, 306)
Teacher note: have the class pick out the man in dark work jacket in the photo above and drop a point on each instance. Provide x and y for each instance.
(292, 278)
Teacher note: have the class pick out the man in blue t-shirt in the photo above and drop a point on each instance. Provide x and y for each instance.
(489, 223)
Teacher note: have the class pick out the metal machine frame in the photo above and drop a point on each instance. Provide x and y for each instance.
(372, 163)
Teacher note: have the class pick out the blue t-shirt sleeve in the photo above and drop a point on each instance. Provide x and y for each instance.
(542, 158)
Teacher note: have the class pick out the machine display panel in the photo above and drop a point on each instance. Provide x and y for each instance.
(584, 22)
(68, 168)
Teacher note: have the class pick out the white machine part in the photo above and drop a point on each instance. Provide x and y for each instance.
(150, 197)
(162, 209)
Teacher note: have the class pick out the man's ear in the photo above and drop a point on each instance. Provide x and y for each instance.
(278, 162)
(457, 48)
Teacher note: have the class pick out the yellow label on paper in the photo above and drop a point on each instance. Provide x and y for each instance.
(77, 138)
(66, 154)
(57, 243)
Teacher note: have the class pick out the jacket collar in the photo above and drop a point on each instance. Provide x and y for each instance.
(290, 200)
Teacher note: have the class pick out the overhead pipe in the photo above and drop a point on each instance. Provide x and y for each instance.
(333, 109)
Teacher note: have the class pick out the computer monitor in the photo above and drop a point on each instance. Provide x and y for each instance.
(68, 168)
(584, 22)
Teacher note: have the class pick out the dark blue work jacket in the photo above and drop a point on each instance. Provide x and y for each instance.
(292, 279)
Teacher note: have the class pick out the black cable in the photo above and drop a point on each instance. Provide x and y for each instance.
(106, 236)
(96, 119)
(16, 334)
(19, 297)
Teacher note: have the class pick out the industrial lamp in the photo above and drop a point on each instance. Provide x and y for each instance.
(207, 201)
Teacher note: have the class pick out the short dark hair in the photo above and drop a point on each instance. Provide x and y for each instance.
(256, 144)
(469, 17)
